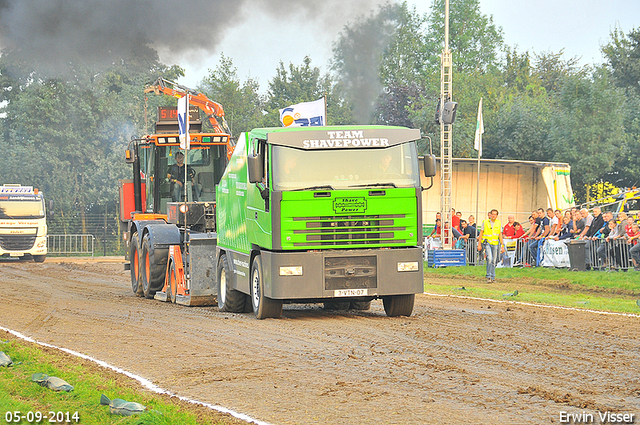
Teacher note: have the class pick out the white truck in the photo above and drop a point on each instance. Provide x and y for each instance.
(23, 223)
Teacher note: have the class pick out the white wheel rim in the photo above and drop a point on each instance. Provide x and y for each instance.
(255, 283)
(223, 286)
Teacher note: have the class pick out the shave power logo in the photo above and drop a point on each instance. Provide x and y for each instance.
(349, 205)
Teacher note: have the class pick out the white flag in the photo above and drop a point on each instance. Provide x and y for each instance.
(183, 122)
(477, 142)
(304, 114)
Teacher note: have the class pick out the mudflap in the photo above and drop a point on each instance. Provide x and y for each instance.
(203, 268)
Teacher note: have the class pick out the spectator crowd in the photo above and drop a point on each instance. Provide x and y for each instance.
(610, 242)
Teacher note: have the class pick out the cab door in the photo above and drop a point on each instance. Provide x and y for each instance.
(258, 200)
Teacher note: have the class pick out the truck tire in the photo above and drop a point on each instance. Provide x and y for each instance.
(152, 274)
(398, 305)
(229, 299)
(361, 305)
(336, 305)
(263, 307)
(39, 258)
(134, 258)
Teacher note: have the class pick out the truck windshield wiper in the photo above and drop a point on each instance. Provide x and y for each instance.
(326, 187)
(375, 185)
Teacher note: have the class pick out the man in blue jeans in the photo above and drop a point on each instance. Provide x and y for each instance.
(491, 237)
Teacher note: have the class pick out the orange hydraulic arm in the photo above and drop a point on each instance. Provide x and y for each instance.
(211, 108)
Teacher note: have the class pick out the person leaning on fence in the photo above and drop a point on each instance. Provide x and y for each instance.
(509, 230)
(578, 224)
(491, 238)
(564, 232)
(538, 240)
(634, 251)
(556, 224)
(437, 230)
(608, 234)
(535, 230)
(519, 231)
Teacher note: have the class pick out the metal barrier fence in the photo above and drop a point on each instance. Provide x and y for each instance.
(600, 254)
(522, 256)
(609, 255)
(70, 244)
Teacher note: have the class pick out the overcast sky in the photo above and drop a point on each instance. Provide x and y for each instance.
(259, 43)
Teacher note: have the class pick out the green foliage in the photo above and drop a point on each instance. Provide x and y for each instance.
(66, 135)
(587, 127)
(403, 72)
(242, 102)
(601, 192)
(623, 58)
(474, 40)
(304, 84)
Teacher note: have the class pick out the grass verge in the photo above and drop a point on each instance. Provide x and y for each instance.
(19, 394)
(593, 290)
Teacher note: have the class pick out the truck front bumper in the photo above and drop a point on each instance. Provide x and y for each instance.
(39, 247)
(342, 273)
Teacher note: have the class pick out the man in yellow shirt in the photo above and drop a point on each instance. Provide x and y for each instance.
(491, 237)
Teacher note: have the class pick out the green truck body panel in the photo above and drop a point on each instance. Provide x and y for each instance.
(231, 196)
(358, 228)
(349, 219)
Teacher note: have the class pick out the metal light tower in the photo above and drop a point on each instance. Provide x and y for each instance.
(446, 159)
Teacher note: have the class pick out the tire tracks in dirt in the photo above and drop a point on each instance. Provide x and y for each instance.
(454, 361)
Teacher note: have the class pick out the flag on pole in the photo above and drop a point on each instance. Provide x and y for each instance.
(304, 114)
(477, 142)
(183, 122)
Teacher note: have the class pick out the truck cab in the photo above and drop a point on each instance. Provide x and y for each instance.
(328, 215)
(23, 223)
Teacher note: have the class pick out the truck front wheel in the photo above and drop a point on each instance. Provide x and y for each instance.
(229, 299)
(39, 258)
(398, 305)
(263, 307)
(134, 258)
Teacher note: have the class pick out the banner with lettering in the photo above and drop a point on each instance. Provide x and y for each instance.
(555, 254)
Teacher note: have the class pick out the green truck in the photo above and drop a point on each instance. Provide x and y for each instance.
(328, 215)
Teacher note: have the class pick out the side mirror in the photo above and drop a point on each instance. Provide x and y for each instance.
(429, 165)
(449, 112)
(255, 166)
(50, 209)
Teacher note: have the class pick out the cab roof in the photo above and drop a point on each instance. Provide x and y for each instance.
(336, 137)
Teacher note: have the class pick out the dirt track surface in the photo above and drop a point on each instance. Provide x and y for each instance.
(454, 361)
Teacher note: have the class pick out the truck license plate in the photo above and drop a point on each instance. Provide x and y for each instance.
(350, 292)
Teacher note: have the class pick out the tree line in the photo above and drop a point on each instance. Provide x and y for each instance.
(65, 133)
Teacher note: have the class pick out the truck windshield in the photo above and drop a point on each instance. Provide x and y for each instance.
(23, 208)
(295, 169)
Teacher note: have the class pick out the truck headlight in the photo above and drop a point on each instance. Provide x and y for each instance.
(411, 266)
(291, 271)
(41, 244)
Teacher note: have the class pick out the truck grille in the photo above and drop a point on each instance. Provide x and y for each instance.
(350, 272)
(17, 242)
(350, 230)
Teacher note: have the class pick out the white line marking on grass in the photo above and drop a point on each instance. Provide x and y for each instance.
(145, 382)
(612, 313)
